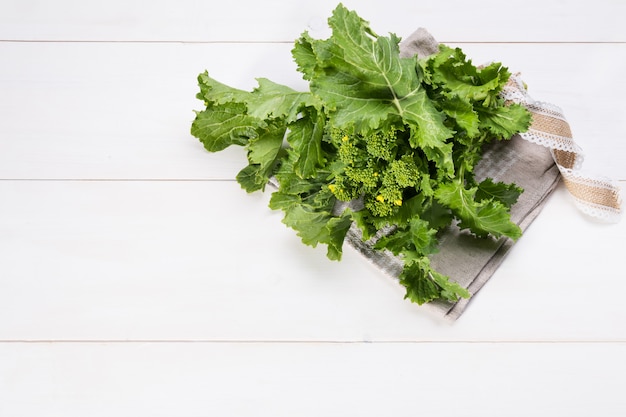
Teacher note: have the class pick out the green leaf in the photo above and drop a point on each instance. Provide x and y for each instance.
(251, 178)
(437, 215)
(364, 82)
(316, 227)
(218, 127)
(424, 285)
(463, 114)
(362, 221)
(263, 153)
(305, 137)
(283, 201)
(481, 217)
(458, 77)
(504, 121)
(417, 236)
(310, 225)
(423, 236)
(337, 229)
(442, 157)
(419, 288)
(290, 183)
(411, 208)
(271, 100)
(450, 290)
(304, 56)
(214, 92)
(507, 194)
(264, 149)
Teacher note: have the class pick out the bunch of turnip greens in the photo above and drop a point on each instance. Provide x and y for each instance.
(399, 135)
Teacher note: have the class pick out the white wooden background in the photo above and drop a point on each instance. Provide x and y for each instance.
(138, 279)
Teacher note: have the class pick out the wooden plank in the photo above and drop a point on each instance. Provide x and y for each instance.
(118, 111)
(283, 20)
(234, 379)
(231, 314)
(85, 260)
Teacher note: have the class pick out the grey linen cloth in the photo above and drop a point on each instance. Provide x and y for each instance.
(465, 259)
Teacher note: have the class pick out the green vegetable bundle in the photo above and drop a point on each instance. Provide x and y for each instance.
(398, 138)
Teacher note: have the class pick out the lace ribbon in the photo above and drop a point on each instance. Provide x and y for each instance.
(595, 196)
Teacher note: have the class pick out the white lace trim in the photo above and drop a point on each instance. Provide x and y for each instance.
(515, 91)
(603, 213)
(554, 142)
(546, 109)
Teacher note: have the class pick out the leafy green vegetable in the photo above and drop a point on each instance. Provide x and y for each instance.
(400, 136)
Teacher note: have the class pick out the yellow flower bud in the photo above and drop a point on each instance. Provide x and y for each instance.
(398, 202)
(380, 198)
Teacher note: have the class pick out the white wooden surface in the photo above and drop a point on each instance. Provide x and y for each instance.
(138, 279)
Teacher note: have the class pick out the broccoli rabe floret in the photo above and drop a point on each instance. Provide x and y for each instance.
(350, 153)
(400, 178)
(402, 173)
(385, 203)
(367, 177)
(370, 170)
(343, 189)
(358, 173)
(382, 144)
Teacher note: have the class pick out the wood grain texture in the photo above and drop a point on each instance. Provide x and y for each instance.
(118, 111)
(284, 20)
(312, 379)
(139, 260)
(137, 278)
